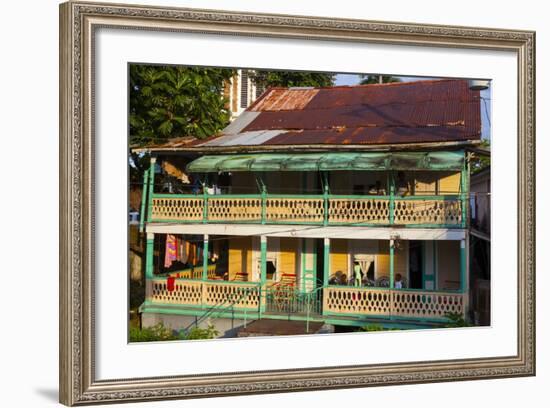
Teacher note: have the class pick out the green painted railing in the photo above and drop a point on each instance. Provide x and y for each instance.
(412, 211)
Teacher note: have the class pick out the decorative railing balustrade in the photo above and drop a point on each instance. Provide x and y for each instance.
(353, 302)
(203, 293)
(408, 303)
(440, 211)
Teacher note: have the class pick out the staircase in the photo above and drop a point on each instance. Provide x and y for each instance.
(226, 305)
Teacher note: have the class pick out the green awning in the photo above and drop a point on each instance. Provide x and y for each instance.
(328, 161)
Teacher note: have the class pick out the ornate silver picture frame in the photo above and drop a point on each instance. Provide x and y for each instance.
(78, 25)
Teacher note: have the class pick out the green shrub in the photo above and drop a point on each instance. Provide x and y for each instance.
(376, 327)
(196, 333)
(456, 320)
(371, 327)
(160, 333)
(154, 333)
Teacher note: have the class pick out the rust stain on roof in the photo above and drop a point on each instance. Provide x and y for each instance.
(284, 99)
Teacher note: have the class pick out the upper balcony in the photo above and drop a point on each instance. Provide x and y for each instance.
(427, 196)
(421, 211)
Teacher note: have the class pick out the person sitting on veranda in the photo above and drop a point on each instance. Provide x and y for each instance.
(402, 184)
(398, 284)
(339, 278)
(357, 275)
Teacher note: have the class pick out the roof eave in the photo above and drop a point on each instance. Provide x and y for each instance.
(313, 148)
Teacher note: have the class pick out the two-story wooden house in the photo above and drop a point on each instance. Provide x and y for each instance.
(342, 205)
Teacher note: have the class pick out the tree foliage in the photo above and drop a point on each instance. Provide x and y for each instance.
(480, 162)
(375, 79)
(172, 101)
(266, 79)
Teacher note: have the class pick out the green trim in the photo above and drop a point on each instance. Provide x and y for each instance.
(264, 203)
(191, 309)
(263, 262)
(263, 273)
(151, 188)
(143, 200)
(447, 197)
(303, 264)
(330, 161)
(149, 257)
(205, 260)
(205, 201)
(326, 195)
(326, 263)
(290, 222)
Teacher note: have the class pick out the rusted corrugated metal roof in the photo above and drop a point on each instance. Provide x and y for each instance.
(379, 114)
(284, 99)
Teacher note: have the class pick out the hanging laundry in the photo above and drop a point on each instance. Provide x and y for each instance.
(170, 254)
(170, 283)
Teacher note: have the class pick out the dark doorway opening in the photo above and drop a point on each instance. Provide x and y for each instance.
(416, 261)
(320, 251)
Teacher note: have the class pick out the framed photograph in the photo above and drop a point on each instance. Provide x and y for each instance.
(256, 203)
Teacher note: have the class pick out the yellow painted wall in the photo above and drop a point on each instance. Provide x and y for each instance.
(449, 183)
(240, 256)
(448, 264)
(288, 255)
(425, 182)
(339, 256)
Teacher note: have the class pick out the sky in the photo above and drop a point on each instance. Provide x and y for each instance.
(354, 79)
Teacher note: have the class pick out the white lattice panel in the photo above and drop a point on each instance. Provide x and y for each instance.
(294, 210)
(355, 211)
(446, 212)
(426, 304)
(234, 209)
(357, 301)
(184, 293)
(243, 296)
(177, 209)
